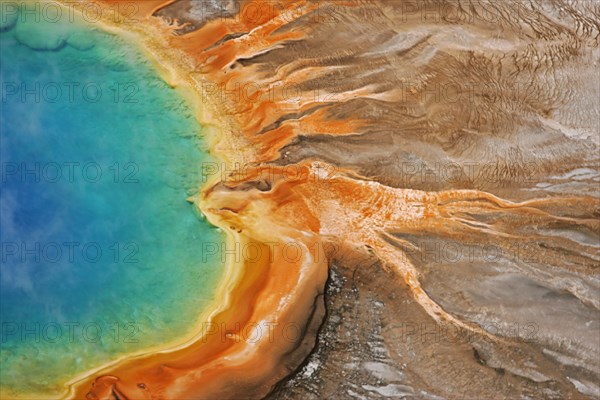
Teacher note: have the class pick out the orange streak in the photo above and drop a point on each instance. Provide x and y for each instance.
(303, 205)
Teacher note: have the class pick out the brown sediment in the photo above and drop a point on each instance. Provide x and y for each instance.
(317, 171)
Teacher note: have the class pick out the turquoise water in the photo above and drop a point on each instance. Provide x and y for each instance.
(101, 252)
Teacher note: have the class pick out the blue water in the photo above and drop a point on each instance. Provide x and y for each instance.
(101, 252)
